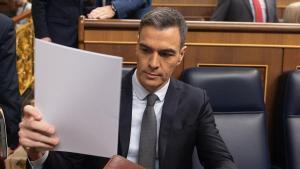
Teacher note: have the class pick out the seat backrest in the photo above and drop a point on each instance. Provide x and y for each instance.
(291, 110)
(126, 70)
(237, 99)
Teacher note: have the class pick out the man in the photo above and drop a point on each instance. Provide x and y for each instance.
(9, 90)
(107, 9)
(177, 117)
(245, 11)
(56, 20)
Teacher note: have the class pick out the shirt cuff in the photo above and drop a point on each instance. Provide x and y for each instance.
(38, 164)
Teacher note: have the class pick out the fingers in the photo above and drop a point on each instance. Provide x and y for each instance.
(41, 127)
(105, 12)
(47, 39)
(36, 140)
(33, 120)
(35, 133)
(32, 112)
(30, 144)
(38, 135)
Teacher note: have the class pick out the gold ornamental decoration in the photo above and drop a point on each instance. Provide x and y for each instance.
(24, 47)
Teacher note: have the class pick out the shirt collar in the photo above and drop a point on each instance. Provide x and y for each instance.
(141, 92)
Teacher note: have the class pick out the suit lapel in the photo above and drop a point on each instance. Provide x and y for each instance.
(125, 115)
(168, 113)
(247, 3)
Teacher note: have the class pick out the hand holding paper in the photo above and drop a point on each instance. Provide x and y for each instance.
(36, 135)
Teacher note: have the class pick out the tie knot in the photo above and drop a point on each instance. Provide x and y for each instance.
(151, 98)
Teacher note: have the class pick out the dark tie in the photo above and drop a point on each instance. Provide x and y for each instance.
(258, 11)
(147, 148)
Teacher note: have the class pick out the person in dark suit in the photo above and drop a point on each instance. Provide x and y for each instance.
(244, 11)
(57, 20)
(107, 9)
(9, 89)
(180, 119)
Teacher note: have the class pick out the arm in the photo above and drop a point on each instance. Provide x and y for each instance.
(123, 9)
(211, 148)
(39, 12)
(9, 90)
(221, 10)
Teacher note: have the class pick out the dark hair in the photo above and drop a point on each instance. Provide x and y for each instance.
(164, 17)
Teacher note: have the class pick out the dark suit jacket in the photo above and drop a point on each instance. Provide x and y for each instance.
(57, 19)
(186, 122)
(134, 9)
(9, 90)
(240, 11)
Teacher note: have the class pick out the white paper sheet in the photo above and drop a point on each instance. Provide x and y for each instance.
(79, 93)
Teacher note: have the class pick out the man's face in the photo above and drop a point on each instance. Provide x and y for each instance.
(158, 53)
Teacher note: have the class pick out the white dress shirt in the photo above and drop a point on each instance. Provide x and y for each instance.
(103, 2)
(38, 164)
(263, 8)
(139, 102)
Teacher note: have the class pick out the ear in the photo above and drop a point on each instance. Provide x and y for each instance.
(181, 54)
(138, 40)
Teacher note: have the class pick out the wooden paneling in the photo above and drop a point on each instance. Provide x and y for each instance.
(291, 61)
(191, 9)
(284, 3)
(271, 48)
(203, 9)
(8, 7)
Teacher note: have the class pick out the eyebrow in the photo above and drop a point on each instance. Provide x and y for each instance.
(169, 50)
(144, 45)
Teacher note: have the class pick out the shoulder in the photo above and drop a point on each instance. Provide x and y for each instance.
(186, 87)
(191, 102)
(189, 92)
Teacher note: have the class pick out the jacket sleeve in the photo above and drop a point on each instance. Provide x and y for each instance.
(221, 10)
(126, 7)
(212, 151)
(39, 13)
(67, 160)
(9, 89)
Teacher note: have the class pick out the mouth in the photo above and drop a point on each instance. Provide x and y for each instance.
(151, 75)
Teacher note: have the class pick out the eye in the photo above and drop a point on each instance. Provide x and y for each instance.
(145, 50)
(166, 54)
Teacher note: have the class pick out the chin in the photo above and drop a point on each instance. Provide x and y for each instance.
(153, 87)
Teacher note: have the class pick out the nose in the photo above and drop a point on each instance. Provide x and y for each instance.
(154, 61)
